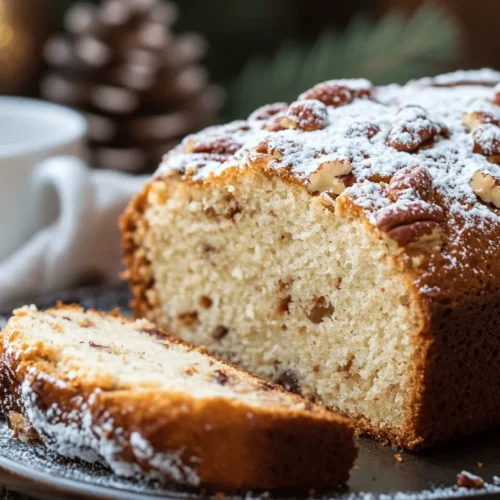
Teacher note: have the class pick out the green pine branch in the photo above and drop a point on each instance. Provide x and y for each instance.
(392, 49)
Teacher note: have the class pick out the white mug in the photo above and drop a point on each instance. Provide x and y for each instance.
(31, 131)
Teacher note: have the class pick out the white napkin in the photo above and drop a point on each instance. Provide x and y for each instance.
(76, 236)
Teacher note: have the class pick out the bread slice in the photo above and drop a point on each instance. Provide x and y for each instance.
(106, 388)
(346, 245)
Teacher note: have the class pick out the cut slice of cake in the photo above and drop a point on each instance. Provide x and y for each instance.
(106, 388)
(346, 245)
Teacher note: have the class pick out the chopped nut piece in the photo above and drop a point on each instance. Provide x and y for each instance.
(486, 187)
(187, 318)
(476, 118)
(327, 177)
(220, 332)
(468, 480)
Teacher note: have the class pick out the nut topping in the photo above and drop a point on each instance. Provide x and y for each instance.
(476, 118)
(338, 92)
(307, 115)
(388, 218)
(413, 128)
(411, 182)
(487, 140)
(486, 187)
(216, 146)
(329, 176)
(423, 234)
(265, 112)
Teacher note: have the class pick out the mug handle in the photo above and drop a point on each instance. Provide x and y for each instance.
(57, 187)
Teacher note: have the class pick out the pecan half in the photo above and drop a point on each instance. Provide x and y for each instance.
(338, 92)
(330, 176)
(413, 128)
(389, 217)
(414, 224)
(411, 182)
(487, 141)
(486, 187)
(422, 234)
(307, 115)
(265, 112)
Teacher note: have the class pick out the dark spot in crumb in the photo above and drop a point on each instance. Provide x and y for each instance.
(210, 212)
(154, 332)
(284, 305)
(339, 282)
(220, 377)
(289, 381)
(66, 318)
(316, 369)
(283, 285)
(346, 369)
(320, 310)
(99, 346)
(220, 332)
(208, 249)
(187, 319)
(233, 211)
(205, 302)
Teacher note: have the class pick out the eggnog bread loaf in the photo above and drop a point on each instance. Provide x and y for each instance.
(346, 246)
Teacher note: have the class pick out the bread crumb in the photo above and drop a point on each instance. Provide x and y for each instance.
(398, 457)
(480, 465)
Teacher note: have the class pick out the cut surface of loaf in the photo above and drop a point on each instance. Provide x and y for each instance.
(346, 246)
(106, 388)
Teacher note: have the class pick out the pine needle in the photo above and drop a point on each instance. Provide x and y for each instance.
(392, 49)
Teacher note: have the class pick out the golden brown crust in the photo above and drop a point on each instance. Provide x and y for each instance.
(218, 443)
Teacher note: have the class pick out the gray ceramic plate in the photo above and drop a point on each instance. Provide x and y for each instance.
(378, 474)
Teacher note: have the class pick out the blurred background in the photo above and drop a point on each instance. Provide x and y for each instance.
(144, 80)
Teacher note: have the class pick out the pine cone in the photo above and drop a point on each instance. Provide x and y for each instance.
(140, 86)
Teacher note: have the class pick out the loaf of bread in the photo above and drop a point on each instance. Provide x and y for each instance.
(105, 388)
(346, 246)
